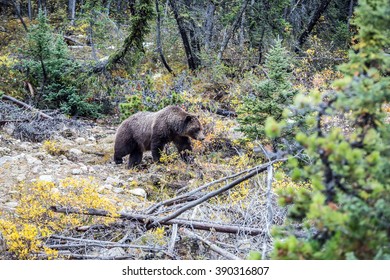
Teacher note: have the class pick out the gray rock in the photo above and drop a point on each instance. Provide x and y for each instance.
(4, 150)
(80, 140)
(47, 178)
(36, 169)
(114, 253)
(25, 146)
(21, 177)
(118, 190)
(115, 181)
(5, 159)
(76, 171)
(11, 204)
(138, 192)
(75, 152)
(33, 160)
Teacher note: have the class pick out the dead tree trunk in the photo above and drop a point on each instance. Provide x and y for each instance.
(72, 10)
(313, 21)
(235, 25)
(158, 39)
(192, 60)
(209, 25)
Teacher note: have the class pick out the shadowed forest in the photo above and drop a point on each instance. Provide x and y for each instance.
(280, 151)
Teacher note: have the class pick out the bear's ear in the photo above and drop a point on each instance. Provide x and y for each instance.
(188, 118)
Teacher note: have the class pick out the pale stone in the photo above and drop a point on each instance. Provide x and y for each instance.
(5, 159)
(80, 140)
(117, 190)
(114, 181)
(138, 192)
(75, 152)
(33, 160)
(76, 171)
(47, 178)
(11, 204)
(21, 178)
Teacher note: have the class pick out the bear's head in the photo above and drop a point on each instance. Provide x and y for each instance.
(193, 128)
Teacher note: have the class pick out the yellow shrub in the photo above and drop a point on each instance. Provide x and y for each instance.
(33, 220)
(53, 148)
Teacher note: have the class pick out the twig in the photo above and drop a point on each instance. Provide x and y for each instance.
(22, 104)
(192, 204)
(211, 245)
(147, 219)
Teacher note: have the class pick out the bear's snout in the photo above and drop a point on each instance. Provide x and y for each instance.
(200, 136)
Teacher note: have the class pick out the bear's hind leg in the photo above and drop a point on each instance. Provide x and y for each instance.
(135, 158)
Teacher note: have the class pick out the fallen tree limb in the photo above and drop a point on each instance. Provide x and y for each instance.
(219, 111)
(186, 196)
(211, 245)
(22, 104)
(192, 204)
(148, 219)
(105, 244)
(73, 41)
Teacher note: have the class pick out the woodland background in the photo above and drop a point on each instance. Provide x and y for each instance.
(293, 95)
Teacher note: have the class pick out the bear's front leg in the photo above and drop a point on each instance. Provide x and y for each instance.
(135, 158)
(183, 145)
(157, 146)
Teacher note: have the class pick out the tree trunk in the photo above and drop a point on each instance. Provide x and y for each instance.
(17, 11)
(350, 11)
(108, 7)
(193, 61)
(158, 39)
(314, 19)
(29, 10)
(72, 10)
(209, 25)
(229, 34)
(242, 33)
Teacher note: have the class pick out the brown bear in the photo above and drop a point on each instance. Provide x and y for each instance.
(146, 131)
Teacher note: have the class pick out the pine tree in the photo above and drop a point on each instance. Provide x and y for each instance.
(271, 96)
(54, 72)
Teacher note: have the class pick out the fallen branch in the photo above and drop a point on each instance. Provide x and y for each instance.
(22, 104)
(211, 245)
(99, 243)
(219, 111)
(73, 41)
(204, 198)
(188, 196)
(147, 219)
(172, 242)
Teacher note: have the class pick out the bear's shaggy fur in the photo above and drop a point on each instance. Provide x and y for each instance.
(146, 131)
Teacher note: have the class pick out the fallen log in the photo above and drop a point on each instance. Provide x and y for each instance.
(24, 105)
(148, 219)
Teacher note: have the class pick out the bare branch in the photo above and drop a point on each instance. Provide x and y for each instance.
(212, 246)
(147, 219)
(190, 205)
